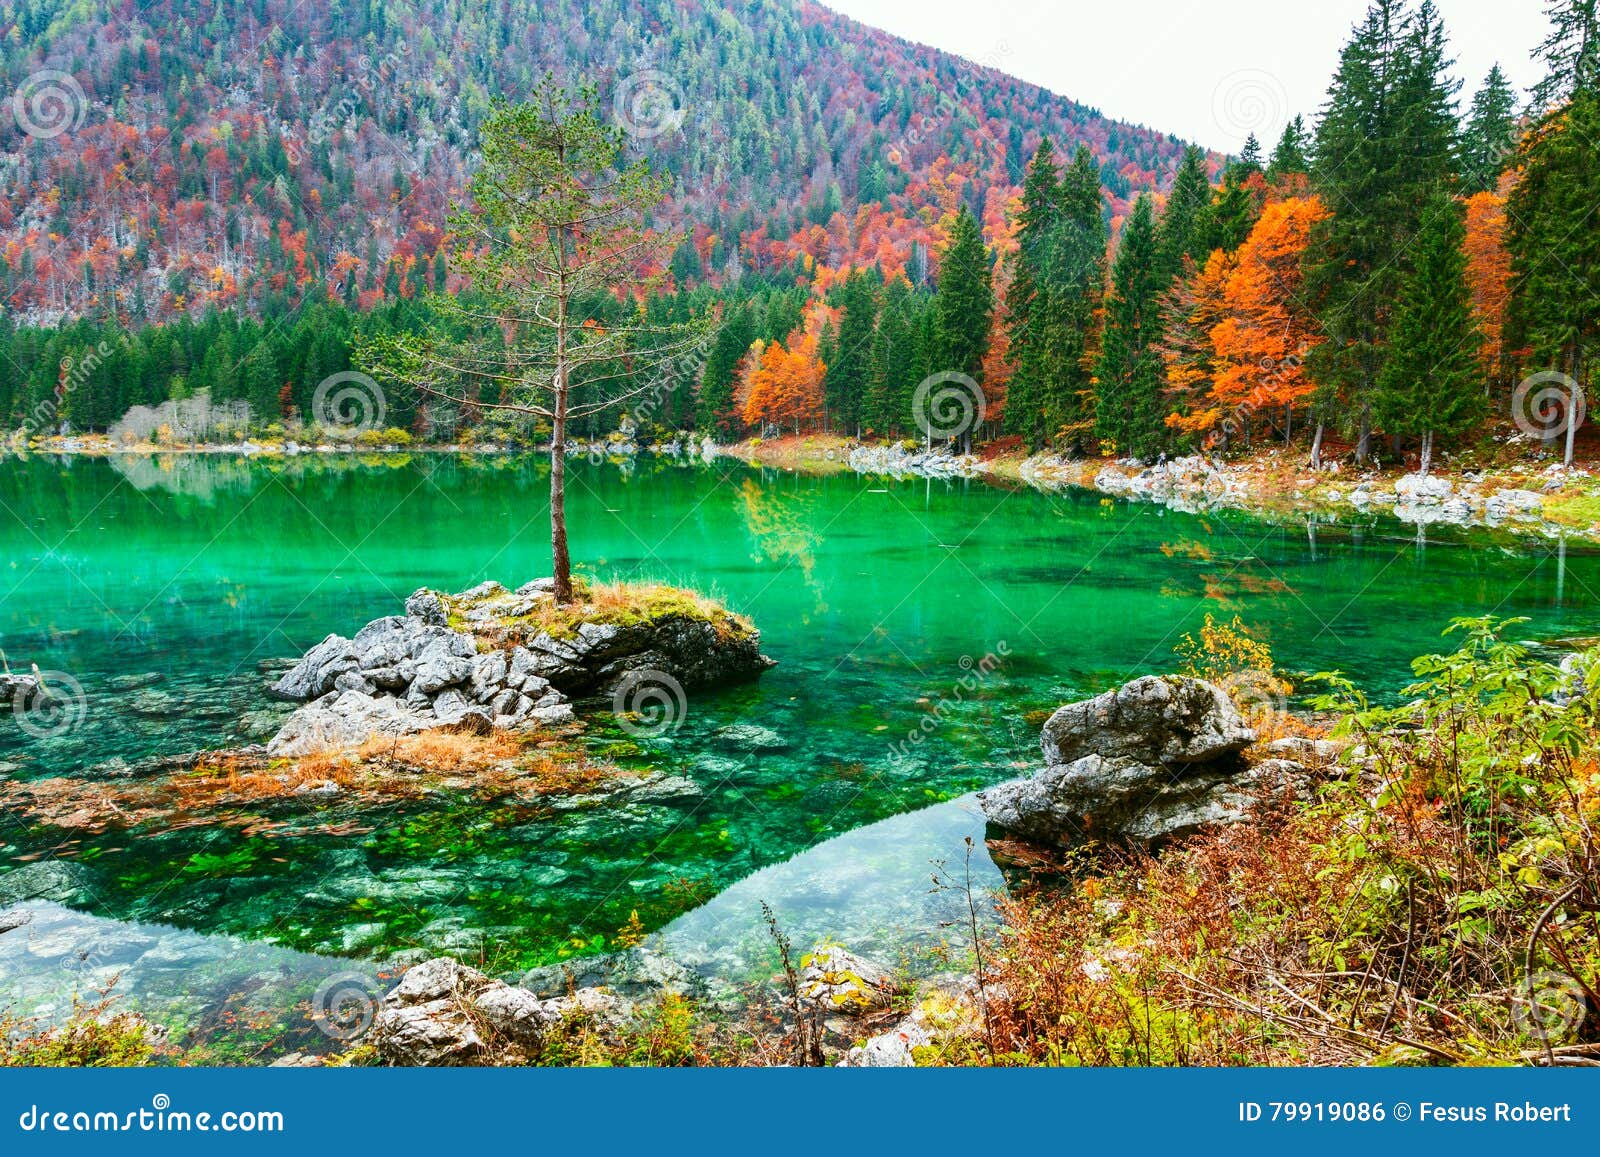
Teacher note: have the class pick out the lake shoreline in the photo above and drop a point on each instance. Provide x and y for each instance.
(1525, 498)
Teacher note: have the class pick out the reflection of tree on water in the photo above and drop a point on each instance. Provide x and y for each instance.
(785, 528)
(201, 476)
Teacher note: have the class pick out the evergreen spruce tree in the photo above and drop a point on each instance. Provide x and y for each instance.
(1249, 156)
(1028, 298)
(1128, 410)
(1385, 142)
(894, 363)
(1183, 231)
(1431, 384)
(845, 384)
(965, 302)
(715, 413)
(1571, 53)
(1554, 312)
(1233, 213)
(1080, 285)
(1289, 155)
(1490, 133)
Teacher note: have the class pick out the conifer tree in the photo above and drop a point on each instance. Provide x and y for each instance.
(715, 411)
(1183, 225)
(1233, 213)
(1078, 287)
(1386, 140)
(1289, 155)
(1028, 301)
(1554, 312)
(1128, 408)
(1571, 53)
(965, 301)
(1431, 383)
(849, 354)
(1490, 133)
(894, 363)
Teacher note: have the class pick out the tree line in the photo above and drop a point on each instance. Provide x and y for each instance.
(1376, 284)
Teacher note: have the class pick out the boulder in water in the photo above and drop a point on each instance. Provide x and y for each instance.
(1155, 759)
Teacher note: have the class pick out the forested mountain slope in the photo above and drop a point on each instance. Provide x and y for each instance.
(162, 159)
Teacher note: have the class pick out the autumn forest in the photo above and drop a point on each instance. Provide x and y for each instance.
(1374, 282)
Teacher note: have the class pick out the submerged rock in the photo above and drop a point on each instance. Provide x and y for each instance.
(134, 682)
(56, 880)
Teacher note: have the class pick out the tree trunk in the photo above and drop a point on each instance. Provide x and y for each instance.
(1572, 406)
(561, 561)
(1316, 448)
(1364, 439)
(1427, 453)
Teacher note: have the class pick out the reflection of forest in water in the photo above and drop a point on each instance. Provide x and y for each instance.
(206, 475)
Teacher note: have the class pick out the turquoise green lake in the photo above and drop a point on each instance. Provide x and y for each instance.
(879, 599)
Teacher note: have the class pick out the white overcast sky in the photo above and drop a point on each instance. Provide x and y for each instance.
(1210, 72)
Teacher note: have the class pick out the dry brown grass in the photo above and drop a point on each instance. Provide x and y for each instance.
(625, 605)
(442, 750)
(1404, 918)
(247, 791)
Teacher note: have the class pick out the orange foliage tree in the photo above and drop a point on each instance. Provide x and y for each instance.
(1194, 306)
(1488, 272)
(1262, 341)
(786, 387)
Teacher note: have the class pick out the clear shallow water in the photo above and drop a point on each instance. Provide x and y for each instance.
(878, 598)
